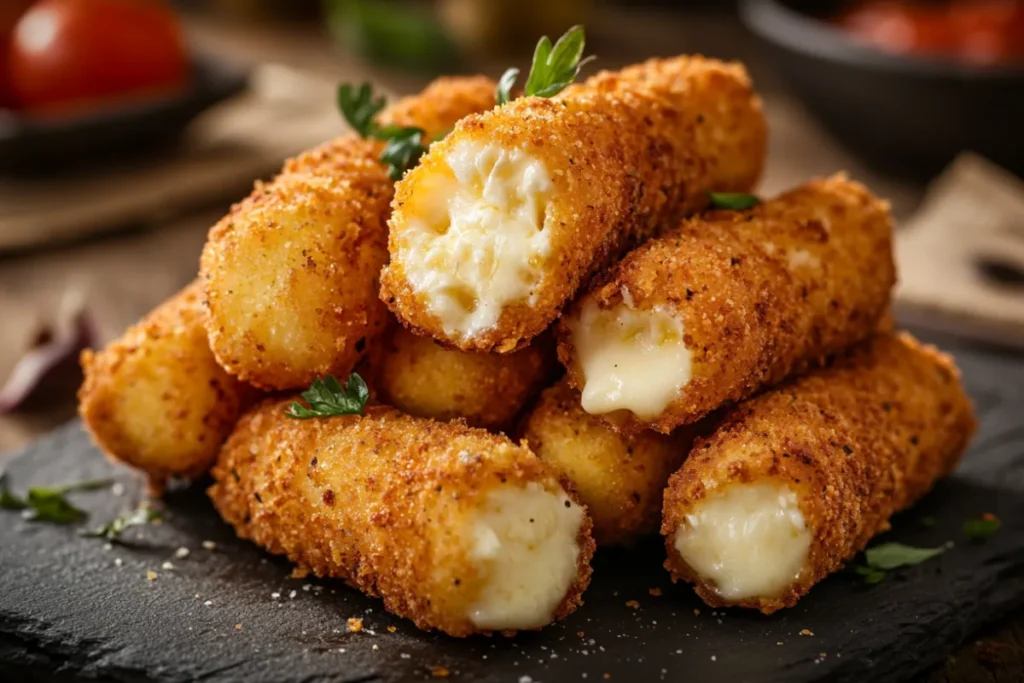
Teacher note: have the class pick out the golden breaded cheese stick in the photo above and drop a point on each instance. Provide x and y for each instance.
(620, 478)
(420, 377)
(291, 273)
(796, 481)
(729, 303)
(156, 399)
(454, 527)
(502, 221)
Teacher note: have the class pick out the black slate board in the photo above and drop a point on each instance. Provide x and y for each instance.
(71, 609)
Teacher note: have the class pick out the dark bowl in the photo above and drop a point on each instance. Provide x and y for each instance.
(902, 114)
(47, 145)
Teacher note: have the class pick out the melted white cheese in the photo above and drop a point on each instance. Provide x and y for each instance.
(749, 541)
(482, 243)
(630, 359)
(524, 541)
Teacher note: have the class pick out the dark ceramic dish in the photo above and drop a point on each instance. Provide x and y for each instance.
(53, 145)
(900, 113)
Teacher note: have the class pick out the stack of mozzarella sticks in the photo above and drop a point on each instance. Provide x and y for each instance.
(731, 376)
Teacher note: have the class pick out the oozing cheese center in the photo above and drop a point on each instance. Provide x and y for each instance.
(484, 243)
(524, 542)
(631, 360)
(749, 540)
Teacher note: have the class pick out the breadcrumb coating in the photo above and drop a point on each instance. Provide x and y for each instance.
(856, 442)
(420, 377)
(156, 399)
(621, 156)
(760, 294)
(382, 501)
(620, 478)
(291, 273)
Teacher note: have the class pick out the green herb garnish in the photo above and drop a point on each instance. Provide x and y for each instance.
(112, 530)
(870, 574)
(554, 67)
(327, 398)
(405, 144)
(884, 558)
(894, 555)
(733, 201)
(49, 504)
(403, 149)
(359, 107)
(981, 529)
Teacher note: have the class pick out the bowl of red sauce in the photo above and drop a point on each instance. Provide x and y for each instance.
(905, 84)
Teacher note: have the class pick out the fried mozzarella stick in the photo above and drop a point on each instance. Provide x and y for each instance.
(291, 273)
(420, 377)
(796, 481)
(729, 303)
(156, 399)
(455, 528)
(620, 478)
(508, 216)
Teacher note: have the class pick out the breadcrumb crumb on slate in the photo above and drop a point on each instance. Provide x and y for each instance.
(745, 299)
(156, 399)
(291, 273)
(838, 451)
(429, 516)
(569, 183)
(620, 478)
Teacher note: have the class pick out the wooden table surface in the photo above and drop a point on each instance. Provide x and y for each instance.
(125, 274)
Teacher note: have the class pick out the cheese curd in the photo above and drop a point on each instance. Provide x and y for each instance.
(480, 242)
(631, 359)
(749, 540)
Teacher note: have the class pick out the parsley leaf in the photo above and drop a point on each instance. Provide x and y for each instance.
(359, 107)
(405, 145)
(734, 201)
(403, 149)
(554, 67)
(894, 555)
(327, 398)
(981, 529)
(870, 574)
(112, 530)
(505, 85)
(8, 500)
(49, 504)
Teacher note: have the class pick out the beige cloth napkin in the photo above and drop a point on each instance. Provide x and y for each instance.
(284, 112)
(973, 213)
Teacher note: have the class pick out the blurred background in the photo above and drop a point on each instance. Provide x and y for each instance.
(127, 127)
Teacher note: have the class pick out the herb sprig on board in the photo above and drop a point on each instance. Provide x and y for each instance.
(113, 529)
(48, 503)
(881, 559)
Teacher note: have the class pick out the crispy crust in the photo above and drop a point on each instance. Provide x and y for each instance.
(628, 153)
(751, 319)
(291, 273)
(420, 377)
(856, 442)
(619, 478)
(156, 399)
(376, 500)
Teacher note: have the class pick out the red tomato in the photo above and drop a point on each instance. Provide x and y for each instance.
(10, 12)
(66, 53)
